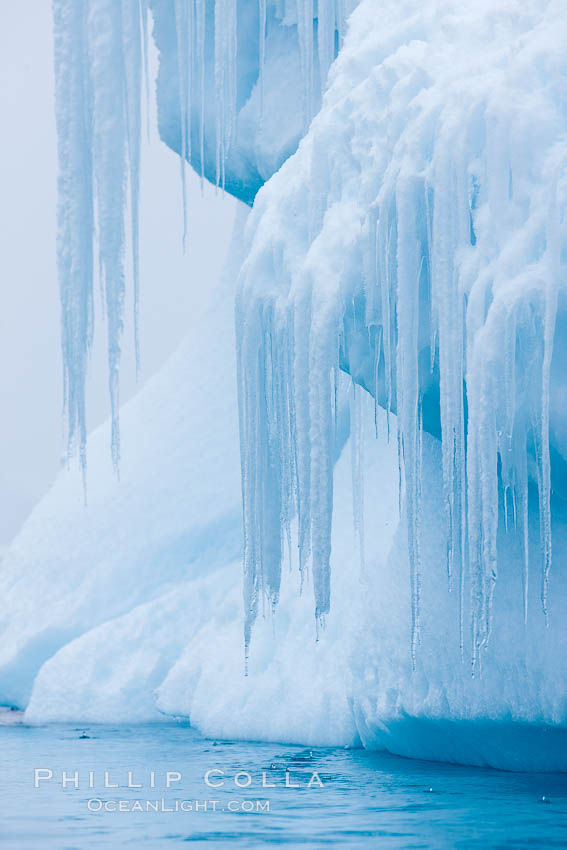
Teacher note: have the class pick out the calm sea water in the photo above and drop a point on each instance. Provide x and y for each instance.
(366, 799)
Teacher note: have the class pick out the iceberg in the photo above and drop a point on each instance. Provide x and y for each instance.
(378, 383)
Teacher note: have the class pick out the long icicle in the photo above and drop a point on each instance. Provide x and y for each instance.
(74, 210)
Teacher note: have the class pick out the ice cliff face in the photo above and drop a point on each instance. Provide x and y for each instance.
(400, 313)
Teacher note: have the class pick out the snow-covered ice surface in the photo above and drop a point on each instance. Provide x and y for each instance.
(415, 240)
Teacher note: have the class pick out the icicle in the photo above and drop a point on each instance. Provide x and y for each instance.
(285, 425)
(322, 357)
(450, 218)
(384, 246)
(409, 263)
(357, 460)
(484, 394)
(200, 24)
(550, 312)
(325, 39)
(262, 51)
(98, 61)
(302, 378)
(340, 18)
(146, 70)
(225, 81)
(522, 499)
(266, 474)
(305, 35)
(133, 26)
(184, 34)
(109, 168)
(74, 209)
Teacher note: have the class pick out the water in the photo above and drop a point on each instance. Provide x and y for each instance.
(367, 799)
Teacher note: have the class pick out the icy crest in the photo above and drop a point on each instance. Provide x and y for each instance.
(417, 241)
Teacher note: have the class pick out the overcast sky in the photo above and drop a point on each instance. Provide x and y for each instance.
(30, 362)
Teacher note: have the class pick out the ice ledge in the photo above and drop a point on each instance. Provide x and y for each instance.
(504, 744)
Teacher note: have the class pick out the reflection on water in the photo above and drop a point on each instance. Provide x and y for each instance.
(175, 787)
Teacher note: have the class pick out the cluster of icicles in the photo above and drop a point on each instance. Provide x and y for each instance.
(100, 52)
(98, 48)
(428, 239)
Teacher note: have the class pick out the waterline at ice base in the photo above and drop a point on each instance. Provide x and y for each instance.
(337, 516)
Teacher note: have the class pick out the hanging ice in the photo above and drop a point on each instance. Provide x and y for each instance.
(75, 209)
(417, 239)
(418, 251)
(98, 74)
(240, 81)
(100, 47)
